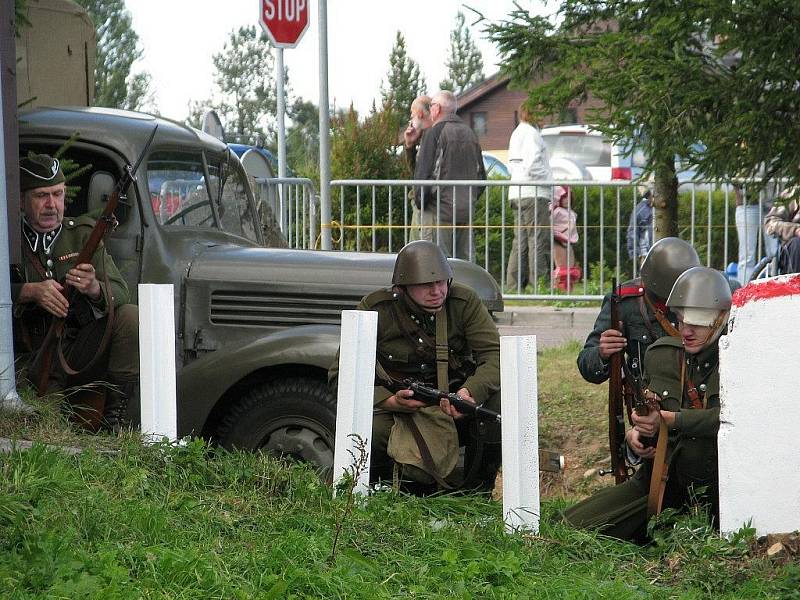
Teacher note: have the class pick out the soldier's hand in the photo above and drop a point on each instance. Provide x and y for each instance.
(449, 409)
(647, 424)
(47, 295)
(402, 401)
(633, 438)
(82, 278)
(611, 342)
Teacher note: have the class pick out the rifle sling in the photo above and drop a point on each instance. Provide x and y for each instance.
(424, 451)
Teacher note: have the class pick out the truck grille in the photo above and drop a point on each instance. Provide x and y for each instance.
(254, 309)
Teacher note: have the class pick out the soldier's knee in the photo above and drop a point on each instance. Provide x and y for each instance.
(126, 321)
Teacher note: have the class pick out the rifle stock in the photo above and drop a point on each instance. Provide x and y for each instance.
(616, 420)
(43, 361)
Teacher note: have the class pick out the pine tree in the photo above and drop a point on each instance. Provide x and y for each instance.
(465, 63)
(115, 85)
(244, 96)
(404, 82)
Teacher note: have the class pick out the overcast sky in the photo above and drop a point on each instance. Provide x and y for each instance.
(180, 36)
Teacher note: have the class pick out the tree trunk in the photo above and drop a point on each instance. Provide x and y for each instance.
(665, 200)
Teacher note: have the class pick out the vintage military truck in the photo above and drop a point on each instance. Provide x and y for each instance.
(256, 327)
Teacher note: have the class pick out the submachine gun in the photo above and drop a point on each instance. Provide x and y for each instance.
(548, 460)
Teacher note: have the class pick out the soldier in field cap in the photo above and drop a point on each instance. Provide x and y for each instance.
(50, 245)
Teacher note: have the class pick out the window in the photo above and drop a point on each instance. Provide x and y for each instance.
(478, 122)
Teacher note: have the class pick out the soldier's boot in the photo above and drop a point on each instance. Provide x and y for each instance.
(482, 458)
(122, 407)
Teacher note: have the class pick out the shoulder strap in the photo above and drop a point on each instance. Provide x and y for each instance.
(442, 350)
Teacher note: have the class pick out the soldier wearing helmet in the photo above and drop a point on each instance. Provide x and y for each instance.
(643, 313)
(424, 309)
(682, 377)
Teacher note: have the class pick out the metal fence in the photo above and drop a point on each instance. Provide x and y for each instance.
(379, 216)
(294, 206)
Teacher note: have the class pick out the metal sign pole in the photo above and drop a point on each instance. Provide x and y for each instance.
(281, 114)
(324, 131)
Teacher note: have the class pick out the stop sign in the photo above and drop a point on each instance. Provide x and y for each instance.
(284, 21)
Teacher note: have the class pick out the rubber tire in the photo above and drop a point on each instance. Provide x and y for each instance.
(294, 418)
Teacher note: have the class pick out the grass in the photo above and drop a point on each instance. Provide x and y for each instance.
(192, 521)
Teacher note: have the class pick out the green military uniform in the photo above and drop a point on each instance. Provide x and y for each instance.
(404, 351)
(640, 327)
(621, 511)
(49, 256)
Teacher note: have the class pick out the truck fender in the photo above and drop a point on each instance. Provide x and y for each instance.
(204, 381)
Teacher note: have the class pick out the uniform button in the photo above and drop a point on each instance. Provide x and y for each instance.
(420, 340)
(71, 222)
(391, 357)
(49, 263)
(423, 366)
(702, 387)
(665, 393)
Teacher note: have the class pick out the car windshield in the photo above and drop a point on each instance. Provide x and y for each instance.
(589, 150)
(181, 195)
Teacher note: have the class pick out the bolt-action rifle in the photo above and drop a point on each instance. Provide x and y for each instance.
(616, 415)
(43, 361)
(548, 460)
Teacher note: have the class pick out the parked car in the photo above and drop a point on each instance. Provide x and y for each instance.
(495, 167)
(256, 327)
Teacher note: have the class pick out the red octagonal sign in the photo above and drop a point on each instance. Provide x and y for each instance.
(284, 21)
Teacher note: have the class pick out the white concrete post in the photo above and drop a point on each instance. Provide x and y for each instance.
(520, 407)
(355, 393)
(157, 361)
(758, 472)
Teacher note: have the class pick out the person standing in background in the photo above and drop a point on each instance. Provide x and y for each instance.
(529, 161)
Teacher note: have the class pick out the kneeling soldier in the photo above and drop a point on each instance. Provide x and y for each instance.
(682, 376)
(435, 331)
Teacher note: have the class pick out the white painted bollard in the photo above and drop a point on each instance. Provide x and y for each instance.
(355, 393)
(520, 408)
(760, 411)
(157, 361)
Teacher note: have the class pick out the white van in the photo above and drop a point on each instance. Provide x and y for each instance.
(579, 152)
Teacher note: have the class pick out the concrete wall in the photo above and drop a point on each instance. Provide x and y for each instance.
(759, 475)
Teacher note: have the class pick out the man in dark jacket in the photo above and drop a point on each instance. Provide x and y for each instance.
(448, 151)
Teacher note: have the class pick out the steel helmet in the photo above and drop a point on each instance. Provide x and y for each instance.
(666, 260)
(421, 262)
(701, 293)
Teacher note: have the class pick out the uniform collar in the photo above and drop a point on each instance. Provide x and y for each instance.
(37, 240)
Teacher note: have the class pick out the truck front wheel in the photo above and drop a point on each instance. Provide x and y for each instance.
(292, 417)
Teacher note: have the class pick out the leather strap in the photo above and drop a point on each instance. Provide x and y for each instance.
(660, 317)
(442, 351)
(425, 452)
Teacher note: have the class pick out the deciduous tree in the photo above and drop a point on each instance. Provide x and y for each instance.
(116, 85)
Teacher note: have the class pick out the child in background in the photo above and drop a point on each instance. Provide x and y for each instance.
(565, 234)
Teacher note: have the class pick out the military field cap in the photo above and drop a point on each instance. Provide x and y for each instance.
(39, 170)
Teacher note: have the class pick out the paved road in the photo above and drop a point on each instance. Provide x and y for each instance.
(551, 326)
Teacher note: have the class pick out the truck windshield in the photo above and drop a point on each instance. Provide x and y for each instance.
(178, 193)
(180, 197)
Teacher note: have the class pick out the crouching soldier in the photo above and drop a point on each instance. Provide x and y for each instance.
(437, 332)
(101, 337)
(676, 438)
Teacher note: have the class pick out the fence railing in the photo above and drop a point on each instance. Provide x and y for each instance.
(294, 204)
(380, 216)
